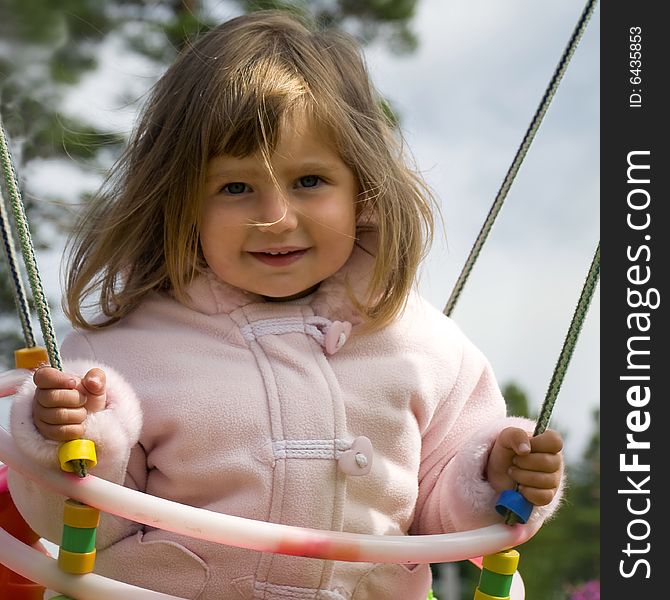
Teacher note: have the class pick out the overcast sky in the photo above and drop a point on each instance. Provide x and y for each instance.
(465, 98)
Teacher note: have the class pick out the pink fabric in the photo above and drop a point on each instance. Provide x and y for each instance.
(253, 425)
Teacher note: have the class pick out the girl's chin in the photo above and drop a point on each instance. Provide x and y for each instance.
(296, 296)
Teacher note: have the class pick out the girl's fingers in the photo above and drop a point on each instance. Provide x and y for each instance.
(60, 416)
(94, 384)
(60, 398)
(515, 440)
(550, 441)
(537, 496)
(544, 462)
(60, 433)
(48, 378)
(535, 479)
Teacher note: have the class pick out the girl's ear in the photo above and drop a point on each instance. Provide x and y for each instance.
(366, 214)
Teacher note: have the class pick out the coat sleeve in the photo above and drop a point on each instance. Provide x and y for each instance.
(454, 494)
(115, 430)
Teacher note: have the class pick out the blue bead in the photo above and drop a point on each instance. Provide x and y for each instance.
(514, 502)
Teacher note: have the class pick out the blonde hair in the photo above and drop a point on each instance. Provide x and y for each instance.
(229, 93)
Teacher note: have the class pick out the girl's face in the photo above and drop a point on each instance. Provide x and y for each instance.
(308, 215)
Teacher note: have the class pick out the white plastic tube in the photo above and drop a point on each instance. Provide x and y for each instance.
(38, 567)
(10, 380)
(262, 536)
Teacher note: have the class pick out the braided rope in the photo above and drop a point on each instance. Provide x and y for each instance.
(28, 252)
(564, 357)
(569, 343)
(18, 290)
(520, 155)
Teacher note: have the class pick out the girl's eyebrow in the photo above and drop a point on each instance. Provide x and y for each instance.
(234, 173)
(315, 166)
(308, 167)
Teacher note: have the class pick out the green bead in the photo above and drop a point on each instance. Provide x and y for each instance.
(495, 584)
(78, 539)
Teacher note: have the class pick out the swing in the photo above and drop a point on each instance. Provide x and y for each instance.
(92, 494)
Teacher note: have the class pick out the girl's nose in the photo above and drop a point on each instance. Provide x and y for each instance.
(277, 213)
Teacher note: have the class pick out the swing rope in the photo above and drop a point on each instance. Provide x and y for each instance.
(564, 357)
(28, 253)
(569, 343)
(520, 154)
(18, 291)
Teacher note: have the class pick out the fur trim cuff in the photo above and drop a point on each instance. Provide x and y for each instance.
(468, 498)
(114, 430)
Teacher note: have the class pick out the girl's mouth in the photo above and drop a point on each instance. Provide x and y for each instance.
(279, 258)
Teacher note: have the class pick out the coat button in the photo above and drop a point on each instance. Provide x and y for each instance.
(336, 336)
(358, 459)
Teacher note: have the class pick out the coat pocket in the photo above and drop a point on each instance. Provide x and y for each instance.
(152, 561)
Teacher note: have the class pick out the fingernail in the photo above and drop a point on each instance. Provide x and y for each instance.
(524, 448)
(72, 383)
(510, 471)
(95, 380)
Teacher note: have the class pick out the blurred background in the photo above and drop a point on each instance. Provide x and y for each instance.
(463, 80)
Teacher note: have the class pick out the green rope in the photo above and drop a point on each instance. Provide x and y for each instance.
(569, 343)
(520, 155)
(28, 252)
(18, 291)
(566, 354)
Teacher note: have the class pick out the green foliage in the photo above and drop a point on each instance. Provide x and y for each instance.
(516, 400)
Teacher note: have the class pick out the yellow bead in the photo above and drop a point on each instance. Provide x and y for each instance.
(75, 562)
(479, 595)
(31, 358)
(82, 516)
(77, 450)
(504, 563)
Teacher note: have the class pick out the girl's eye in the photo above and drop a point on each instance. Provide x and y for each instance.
(309, 181)
(235, 188)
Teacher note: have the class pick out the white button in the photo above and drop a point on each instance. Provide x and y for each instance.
(336, 336)
(358, 459)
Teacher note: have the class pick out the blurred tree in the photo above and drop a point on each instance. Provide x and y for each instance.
(47, 46)
(516, 400)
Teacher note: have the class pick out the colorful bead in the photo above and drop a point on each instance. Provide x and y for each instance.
(77, 450)
(31, 358)
(76, 563)
(505, 563)
(77, 552)
(511, 501)
(77, 514)
(498, 570)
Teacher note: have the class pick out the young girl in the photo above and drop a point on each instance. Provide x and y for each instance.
(259, 349)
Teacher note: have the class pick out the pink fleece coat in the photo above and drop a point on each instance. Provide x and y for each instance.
(234, 405)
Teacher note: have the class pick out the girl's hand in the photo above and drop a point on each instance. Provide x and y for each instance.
(534, 463)
(63, 401)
